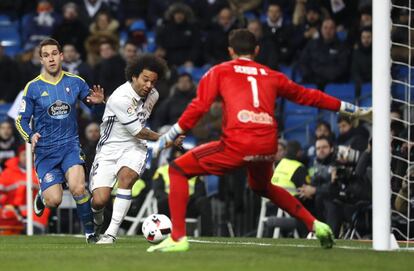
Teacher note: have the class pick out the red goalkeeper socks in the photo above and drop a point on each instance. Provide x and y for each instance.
(290, 204)
(177, 199)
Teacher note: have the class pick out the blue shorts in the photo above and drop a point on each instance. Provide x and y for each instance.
(51, 166)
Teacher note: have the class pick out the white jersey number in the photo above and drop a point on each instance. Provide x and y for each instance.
(255, 91)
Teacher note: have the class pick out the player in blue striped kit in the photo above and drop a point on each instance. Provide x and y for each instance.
(51, 100)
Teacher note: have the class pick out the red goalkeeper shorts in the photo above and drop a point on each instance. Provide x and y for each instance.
(216, 159)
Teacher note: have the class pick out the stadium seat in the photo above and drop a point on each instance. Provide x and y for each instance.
(344, 92)
(366, 95)
(282, 220)
(286, 70)
(151, 45)
(4, 108)
(293, 108)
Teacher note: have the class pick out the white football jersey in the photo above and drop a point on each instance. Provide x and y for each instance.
(125, 115)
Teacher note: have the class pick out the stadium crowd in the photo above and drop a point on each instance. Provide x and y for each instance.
(318, 42)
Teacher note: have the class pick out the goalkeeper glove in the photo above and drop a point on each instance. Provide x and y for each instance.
(166, 138)
(353, 111)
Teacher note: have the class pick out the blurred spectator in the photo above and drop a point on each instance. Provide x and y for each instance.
(93, 44)
(71, 30)
(8, 142)
(209, 126)
(354, 137)
(133, 10)
(156, 11)
(13, 194)
(309, 28)
(267, 53)
(30, 66)
(110, 72)
(239, 7)
(40, 24)
(171, 108)
(207, 10)
(104, 24)
(73, 64)
(319, 189)
(129, 51)
(402, 35)
(278, 31)
(290, 173)
(281, 150)
(179, 38)
(89, 8)
(216, 42)
(198, 203)
(137, 35)
(325, 60)
(361, 69)
(10, 83)
(341, 11)
(323, 129)
(364, 22)
(91, 140)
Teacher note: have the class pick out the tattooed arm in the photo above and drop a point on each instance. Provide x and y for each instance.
(148, 134)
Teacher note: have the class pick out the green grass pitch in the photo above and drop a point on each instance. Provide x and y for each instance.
(61, 253)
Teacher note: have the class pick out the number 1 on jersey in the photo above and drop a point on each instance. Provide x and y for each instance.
(255, 91)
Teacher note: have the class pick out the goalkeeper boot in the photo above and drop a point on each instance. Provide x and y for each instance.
(38, 204)
(324, 233)
(91, 239)
(106, 239)
(169, 245)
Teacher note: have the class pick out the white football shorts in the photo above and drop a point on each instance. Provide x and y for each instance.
(105, 168)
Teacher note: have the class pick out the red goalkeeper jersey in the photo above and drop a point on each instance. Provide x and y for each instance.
(248, 91)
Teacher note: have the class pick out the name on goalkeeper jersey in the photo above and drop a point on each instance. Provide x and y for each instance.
(249, 116)
(249, 70)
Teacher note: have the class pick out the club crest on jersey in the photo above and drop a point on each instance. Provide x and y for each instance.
(48, 178)
(22, 106)
(59, 110)
(130, 110)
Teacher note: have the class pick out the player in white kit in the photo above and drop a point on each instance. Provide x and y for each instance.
(121, 151)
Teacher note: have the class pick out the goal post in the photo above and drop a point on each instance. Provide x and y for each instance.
(381, 156)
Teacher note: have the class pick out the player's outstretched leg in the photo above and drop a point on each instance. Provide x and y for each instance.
(38, 204)
(169, 245)
(324, 233)
(177, 198)
(294, 207)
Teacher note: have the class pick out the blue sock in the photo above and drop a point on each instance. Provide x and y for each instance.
(84, 210)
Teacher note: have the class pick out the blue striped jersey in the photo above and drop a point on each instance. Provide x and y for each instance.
(53, 108)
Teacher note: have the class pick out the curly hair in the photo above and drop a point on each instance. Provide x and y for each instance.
(146, 62)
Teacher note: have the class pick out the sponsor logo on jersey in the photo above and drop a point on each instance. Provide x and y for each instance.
(22, 106)
(44, 94)
(49, 178)
(249, 116)
(59, 110)
(245, 69)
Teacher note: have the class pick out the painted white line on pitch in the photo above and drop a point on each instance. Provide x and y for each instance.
(267, 244)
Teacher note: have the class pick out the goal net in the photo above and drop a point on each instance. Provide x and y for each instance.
(402, 121)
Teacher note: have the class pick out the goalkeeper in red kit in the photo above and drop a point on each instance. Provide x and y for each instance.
(248, 91)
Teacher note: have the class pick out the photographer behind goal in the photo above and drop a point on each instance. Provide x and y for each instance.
(335, 188)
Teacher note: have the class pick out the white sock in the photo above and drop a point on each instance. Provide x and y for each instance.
(122, 203)
(98, 216)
